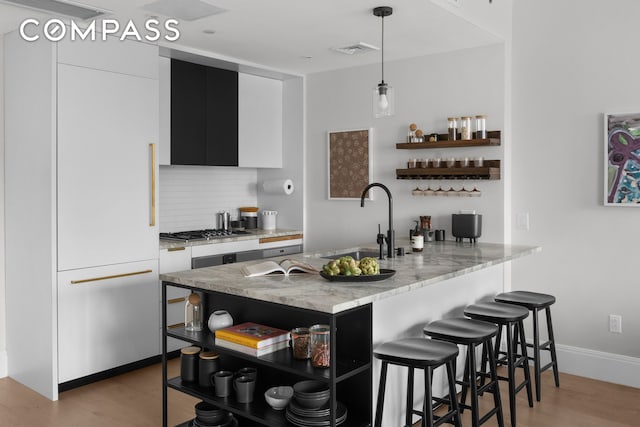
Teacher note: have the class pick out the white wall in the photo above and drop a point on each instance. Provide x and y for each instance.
(3, 340)
(290, 208)
(428, 90)
(572, 61)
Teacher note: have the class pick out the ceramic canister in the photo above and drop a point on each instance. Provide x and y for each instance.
(208, 364)
(189, 364)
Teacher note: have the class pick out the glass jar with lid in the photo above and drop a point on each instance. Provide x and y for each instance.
(300, 344)
(465, 128)
(320, 345)
(481, 127)
(453, 128)
(193, 313)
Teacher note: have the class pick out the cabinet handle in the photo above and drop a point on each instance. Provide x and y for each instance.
(153, 185)
(175, 249)
(115, 276)
(176, 300)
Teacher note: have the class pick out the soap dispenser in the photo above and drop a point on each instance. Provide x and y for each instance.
(417, 239)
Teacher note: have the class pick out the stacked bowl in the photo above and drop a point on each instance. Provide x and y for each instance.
(208, 415)
(311, 394)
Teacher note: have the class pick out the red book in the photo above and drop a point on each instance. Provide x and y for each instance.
(252, 334)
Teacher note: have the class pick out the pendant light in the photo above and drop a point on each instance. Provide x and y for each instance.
(383, 93)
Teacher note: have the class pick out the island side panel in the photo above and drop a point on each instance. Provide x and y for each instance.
(405, 315)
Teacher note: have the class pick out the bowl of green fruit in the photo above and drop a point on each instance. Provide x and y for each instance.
(347, 269)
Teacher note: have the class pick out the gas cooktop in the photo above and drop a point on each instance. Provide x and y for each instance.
(208, 234)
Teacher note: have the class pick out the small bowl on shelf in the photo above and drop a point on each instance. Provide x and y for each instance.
(278, 397)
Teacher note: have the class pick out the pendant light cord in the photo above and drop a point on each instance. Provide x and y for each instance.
(383, 48)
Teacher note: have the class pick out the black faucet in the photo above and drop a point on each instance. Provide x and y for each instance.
(390, 232)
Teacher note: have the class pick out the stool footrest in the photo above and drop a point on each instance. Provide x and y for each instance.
(521, 386)
(485, 387)
(543, 346)
(488, 415)
(547, 366)
(438, 420)
(441, 401)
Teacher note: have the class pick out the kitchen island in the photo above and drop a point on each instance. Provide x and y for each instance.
(439, 282)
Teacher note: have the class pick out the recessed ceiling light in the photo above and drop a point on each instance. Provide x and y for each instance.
(185, 10)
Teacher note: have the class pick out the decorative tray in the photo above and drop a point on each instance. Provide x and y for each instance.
(385, 273)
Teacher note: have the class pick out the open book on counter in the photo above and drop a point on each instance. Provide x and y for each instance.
(286, 266)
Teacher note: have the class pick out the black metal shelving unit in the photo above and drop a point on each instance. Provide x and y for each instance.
(349, 377)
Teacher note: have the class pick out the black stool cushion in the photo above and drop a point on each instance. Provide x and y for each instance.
(496, 312)
(527, 299)
(461, 330)
(416, 352)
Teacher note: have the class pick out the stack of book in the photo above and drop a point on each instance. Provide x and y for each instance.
(252, 338)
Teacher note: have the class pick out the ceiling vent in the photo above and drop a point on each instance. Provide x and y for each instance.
(184, 10)
(73, 10)
(360, 47)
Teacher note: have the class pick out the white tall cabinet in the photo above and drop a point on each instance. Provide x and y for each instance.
(81, 127)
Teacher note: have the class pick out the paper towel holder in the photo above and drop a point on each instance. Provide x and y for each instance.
(278, 186)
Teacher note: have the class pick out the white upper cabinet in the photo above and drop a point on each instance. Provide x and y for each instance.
(259, 122)
(107, 197)
(125, 57)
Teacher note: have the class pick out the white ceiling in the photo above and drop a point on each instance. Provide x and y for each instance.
(296, 36)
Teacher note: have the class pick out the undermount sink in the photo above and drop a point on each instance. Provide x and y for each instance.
(357, 255)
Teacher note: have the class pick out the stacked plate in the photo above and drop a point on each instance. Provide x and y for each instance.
(230, 421)
(320, 417)
(310, 405)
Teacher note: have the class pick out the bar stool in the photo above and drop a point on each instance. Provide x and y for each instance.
(424, 354)
(511, 317)
(535, 302)
(472, 333)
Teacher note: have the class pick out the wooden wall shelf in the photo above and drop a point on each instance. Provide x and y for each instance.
(490, 171)
(442, 142)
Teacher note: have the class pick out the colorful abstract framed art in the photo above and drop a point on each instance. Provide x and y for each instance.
(622, 159)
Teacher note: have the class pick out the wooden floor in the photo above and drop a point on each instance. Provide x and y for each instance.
(135, 399)
(578, 402)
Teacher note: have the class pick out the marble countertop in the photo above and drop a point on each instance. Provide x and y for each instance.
(253, 234)
(439, 261)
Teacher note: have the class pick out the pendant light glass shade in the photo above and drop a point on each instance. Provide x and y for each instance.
(383, 100)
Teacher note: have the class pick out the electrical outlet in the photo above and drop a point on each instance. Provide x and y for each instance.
(522, 220)
(615, 323)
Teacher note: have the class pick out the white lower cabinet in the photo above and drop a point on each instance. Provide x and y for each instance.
(107, 317)
(171, 260)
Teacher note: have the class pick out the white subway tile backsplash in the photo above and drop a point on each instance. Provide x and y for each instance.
(190, 196)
